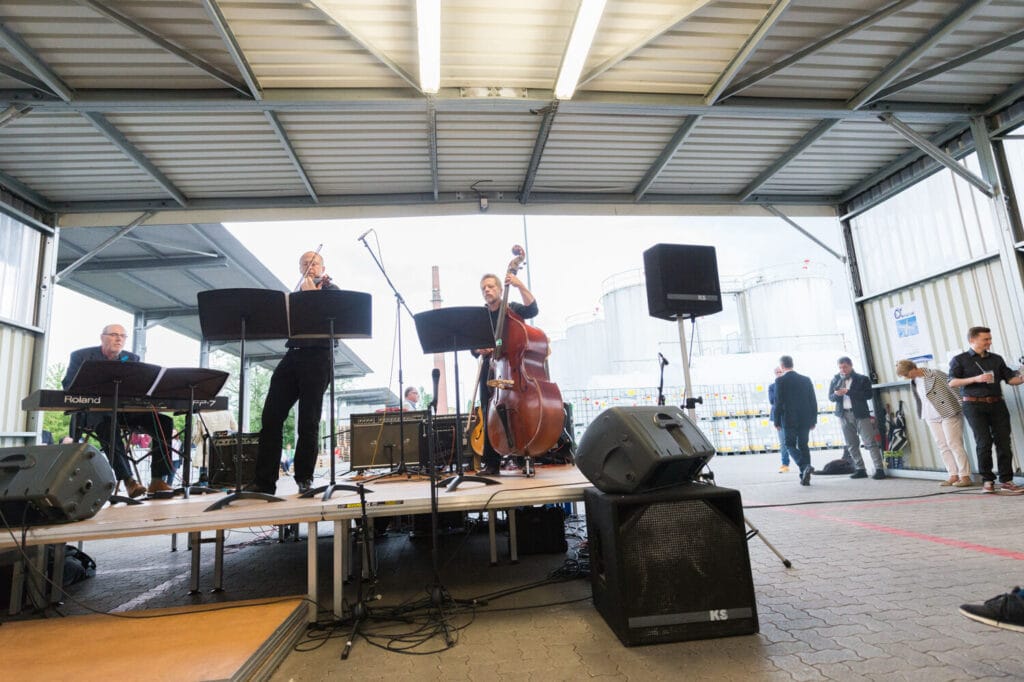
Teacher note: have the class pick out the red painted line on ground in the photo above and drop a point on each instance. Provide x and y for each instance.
(959, 544)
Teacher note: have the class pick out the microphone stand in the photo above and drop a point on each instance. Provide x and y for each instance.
(399, 304)
(662, 362)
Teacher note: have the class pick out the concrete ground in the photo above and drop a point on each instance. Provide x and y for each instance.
(878, 571)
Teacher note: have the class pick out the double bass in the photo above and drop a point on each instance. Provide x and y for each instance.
(525, 415)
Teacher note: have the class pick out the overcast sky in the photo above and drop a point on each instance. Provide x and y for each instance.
(568, 261)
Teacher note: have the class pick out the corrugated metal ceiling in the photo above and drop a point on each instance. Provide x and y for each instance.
(112, 108)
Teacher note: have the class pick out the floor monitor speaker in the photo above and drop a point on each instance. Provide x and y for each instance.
(671, 565)
(41, 484)
(682, 281)
(631, 449)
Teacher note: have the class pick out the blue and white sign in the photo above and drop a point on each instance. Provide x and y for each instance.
(911, 339)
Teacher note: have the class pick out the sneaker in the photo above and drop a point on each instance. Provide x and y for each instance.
(783, 469)
(878, 475)
(1005, 611)
(1011, 488)
(988, 487)
(859, 473)
(963, 483)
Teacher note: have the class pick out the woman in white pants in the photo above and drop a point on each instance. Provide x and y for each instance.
(939, 406)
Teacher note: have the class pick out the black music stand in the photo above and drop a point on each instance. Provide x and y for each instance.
(330, 314)
(451, 330)
(241, 315)
(114, 378)
(189, 383)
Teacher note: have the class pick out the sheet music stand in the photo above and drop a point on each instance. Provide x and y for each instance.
(192, 383)
(114, 378)
(451, 330)
(241, 315)
(330, 314)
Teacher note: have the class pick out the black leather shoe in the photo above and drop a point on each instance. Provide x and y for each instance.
(878, 475)
(304, 485)
(860, 473)
(489, 471)
(257, 488)
(805, 477)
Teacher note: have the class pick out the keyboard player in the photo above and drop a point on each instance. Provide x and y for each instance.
(159, 426)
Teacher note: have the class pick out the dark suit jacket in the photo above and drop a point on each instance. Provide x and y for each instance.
(860, 393)
(95, 353)
(796, 406)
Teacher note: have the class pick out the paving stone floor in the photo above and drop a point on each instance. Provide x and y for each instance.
(878, 571)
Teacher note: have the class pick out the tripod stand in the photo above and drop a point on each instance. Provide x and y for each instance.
(191, 383)
(330, 314)
(238, 315)
(360, 547)
(454, 329)
(110, 378)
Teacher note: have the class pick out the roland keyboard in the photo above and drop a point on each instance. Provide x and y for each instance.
(51, 400)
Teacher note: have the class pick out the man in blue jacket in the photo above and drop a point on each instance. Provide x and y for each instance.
(796, 413)
(850, 392)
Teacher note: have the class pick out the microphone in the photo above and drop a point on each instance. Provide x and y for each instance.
(123, 357)
(435, 374)
(363, 235)
(662, 360)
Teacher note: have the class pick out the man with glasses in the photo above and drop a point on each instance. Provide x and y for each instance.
(159, 426)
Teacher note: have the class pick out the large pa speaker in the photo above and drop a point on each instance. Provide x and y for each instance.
(632, 449)
(682, 281)
(41, 484)
(671, 565)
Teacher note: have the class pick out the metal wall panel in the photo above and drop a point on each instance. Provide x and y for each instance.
(17, 347)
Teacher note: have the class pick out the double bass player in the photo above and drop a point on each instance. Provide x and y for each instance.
(491, 288)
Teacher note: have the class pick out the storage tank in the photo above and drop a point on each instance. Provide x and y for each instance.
(790, 307)
(582, 353)
(634, 337)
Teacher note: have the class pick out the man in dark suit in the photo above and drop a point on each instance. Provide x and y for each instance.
(850, 392)
(159, 426)
(796, 413)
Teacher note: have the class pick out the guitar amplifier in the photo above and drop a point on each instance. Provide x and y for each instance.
(379, 438)
(222, 459)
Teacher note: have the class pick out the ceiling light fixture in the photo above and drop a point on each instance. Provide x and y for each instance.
(428, 35)
(583, 29)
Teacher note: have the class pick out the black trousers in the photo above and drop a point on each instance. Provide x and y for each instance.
(159, 426)
(302, 375)
(990, 423)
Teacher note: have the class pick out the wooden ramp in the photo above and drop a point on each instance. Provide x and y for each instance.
(237, 641)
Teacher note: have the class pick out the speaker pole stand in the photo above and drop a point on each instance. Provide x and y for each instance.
(755, 532)
(687, 387)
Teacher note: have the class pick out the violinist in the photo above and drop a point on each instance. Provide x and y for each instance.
(302, 375)
(490, 287)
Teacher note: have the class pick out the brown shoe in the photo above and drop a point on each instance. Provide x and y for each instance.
(964, 483)
(951, 481)
(134, 488)
(158, 485)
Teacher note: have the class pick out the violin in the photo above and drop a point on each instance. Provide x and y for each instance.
(322, 282)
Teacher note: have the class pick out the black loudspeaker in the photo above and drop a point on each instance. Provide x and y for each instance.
(376, 438)
(682, 281)
(41, 484)
(632, 449)
(445, 434)
(671, 565)
(222, 459)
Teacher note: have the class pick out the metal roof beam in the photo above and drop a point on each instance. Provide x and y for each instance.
(1011, 95)
(156, 263)
(753, 42)
(131, 151)
(360, 40)
(164, 44)
(829, 39)
(949, 23)
(642, 43)
(779, 214)
(539, 143)
(26, 192)
(163, 313)
(84, 258)
(666, 155)
(220, 23)
(282, 136)
(435, 180)
(13, 113)
(24, 78)
(942, 68)
(27, 56)
(812, 136)
(936, 153)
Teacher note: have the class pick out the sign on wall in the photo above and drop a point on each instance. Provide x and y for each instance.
(910, 336)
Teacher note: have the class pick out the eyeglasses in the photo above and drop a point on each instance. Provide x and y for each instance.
(115, 335)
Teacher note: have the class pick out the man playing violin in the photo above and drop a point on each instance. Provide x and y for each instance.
(490, 287)
(302, 375)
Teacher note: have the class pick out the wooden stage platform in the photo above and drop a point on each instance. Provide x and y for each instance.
(384, 497)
